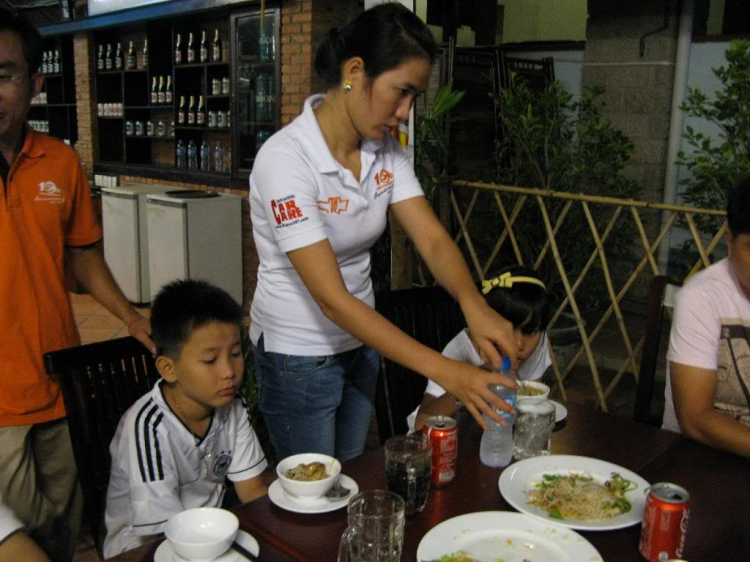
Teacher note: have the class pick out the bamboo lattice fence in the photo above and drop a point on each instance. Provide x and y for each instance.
(510, 202)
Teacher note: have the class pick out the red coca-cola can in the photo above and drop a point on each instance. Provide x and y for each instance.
(665, 522)
(442, 432)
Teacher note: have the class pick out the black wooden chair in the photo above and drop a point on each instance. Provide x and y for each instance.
(432, 317)
(662, 298)
(99, 382)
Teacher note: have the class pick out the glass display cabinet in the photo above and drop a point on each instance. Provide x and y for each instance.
(257, 88)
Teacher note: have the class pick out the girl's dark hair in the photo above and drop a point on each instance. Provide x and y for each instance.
(738, 207)
(383, 36)
(525, 305)
(31, 40)
(183, 306)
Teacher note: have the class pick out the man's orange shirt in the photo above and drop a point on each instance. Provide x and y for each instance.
(45, 207)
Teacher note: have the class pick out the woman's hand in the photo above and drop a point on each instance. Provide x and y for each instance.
(470, 385)
(492, 333)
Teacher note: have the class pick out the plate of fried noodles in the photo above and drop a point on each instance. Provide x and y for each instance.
(575, 492)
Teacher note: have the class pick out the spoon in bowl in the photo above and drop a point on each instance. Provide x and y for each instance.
(337, 492)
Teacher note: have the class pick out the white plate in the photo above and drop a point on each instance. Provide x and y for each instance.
(561, 412)
(278, 496)
(165, 553)
(501, 535)
(520, 477)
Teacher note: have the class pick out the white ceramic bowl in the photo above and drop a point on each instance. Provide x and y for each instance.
(310, 490)
(203, 533)
(539, 387)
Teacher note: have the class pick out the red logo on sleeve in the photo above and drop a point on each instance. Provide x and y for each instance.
(335, 205)
(285, 211)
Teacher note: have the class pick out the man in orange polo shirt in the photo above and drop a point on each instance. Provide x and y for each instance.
(47, 224)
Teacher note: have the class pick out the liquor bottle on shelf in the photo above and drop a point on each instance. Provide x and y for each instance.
(181, 112)
(154, 93)
(118, 56)
(145, 54)
(216, 47)
(190, 49)
(181, 154)
(191, 111)
(44, 62)
(108, 59)
(178, 50)
(100, 58)
(58, 62)
(204, 48)
(192, 155)
(130, 60)
(168, 90)
(219, 158)
(65, 6)
(200, 116)
(205, 157)
(160, 92)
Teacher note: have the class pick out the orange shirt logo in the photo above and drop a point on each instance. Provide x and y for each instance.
(335, 205)
(50, 193)
(383, 179)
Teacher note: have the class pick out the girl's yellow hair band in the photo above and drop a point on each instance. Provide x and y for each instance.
(506, 281)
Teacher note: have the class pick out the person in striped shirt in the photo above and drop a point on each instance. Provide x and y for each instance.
(175, 448)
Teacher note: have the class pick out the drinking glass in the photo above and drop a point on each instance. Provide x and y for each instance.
(376, 528)
(408, 466)
(535, 419)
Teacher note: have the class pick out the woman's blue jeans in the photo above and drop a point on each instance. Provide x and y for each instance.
(320, 404)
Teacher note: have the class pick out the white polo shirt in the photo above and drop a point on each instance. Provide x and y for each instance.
(9, 524)
(300, 195)
(160, 468)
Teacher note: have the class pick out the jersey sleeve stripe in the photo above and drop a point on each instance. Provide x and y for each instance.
(159, 463)
(138, 421)
(262, 460)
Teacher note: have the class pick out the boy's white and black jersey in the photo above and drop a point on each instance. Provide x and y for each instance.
(159, 467)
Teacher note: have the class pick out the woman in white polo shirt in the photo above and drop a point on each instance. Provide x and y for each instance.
(319, 194)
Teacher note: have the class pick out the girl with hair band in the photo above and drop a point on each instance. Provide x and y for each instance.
(320, 191)
(519, 295)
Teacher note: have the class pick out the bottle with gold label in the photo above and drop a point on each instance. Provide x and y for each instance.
(204, 48)
(200, 115)
(160, 91)
(168, 90)
(190, 49)
(216, 47)
(181, 112)
(178, 50)
(154, 92)
(108, 59)
(118, 56)
(191, 111)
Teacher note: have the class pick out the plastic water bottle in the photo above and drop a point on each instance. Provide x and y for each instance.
(496, 449)
(181, 154)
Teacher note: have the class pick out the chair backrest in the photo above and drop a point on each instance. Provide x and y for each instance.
(99, 382)
(433, 318)
(662, 298)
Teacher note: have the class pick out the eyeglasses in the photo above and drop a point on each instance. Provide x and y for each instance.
(10, 81)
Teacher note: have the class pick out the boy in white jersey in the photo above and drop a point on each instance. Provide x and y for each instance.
(177, 445)
(521, 297)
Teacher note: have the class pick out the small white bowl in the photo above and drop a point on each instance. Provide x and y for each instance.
(202, 534)
(539, 387)
(311, 490)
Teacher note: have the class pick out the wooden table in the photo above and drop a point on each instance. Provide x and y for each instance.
(719, 527)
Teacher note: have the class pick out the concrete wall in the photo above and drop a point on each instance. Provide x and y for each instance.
(568, 65)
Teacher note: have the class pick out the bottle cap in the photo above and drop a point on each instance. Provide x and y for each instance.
(506, 365)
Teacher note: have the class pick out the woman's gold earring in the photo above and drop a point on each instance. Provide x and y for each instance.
(348, 85)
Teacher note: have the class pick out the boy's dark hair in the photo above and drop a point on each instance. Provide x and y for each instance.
(525, 305)
(31, 39)
(185, 305)
(738, 207)
(383, 36)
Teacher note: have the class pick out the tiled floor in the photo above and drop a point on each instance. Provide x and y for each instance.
(96, 323)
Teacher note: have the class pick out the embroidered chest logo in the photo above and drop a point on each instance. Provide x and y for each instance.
(50, 193)
(334, 205)
(221, 465)
(286, 212)
(383, 179)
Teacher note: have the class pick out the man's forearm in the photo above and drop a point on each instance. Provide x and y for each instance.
(717, 430)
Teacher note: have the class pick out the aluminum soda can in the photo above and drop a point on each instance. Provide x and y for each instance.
(442, 432)
(665, 520)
